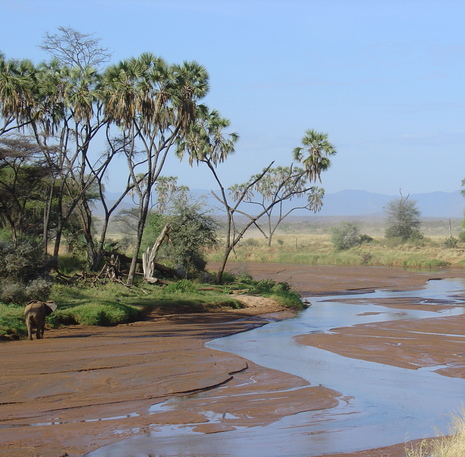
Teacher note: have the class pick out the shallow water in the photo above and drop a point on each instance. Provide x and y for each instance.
(380, 404)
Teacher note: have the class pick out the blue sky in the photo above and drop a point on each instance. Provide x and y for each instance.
(384, 78)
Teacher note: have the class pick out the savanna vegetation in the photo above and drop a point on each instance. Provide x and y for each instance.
(65, 124)
(334, 241)
(451, 445)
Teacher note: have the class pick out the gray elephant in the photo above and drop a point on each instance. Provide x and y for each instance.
(35, 314)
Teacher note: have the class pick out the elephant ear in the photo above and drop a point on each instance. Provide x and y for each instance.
(50, 307)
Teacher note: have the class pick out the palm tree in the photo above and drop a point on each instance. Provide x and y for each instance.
(67, 115)
(154, 104)
(207, 142)
(17, 88)
(319, 150)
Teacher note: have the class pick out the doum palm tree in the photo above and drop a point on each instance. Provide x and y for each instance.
(154, 104)
(315, 154)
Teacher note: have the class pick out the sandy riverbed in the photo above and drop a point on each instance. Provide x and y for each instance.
(81, 388)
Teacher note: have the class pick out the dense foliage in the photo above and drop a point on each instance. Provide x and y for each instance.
(24, 272)
(64, 123)
(403, 219)
(345, 236)
(191, 233)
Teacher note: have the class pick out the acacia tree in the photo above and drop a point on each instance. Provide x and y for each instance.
(278, 186)
(208, 143)
(402, 219)
(23, 177)
(153, 104)
(75, 49)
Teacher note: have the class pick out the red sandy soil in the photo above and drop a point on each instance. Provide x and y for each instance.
(54, 391)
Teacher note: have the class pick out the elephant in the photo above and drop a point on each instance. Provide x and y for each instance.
(35, 314)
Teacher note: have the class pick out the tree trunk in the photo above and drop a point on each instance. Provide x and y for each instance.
(148, 257)
(143, 210)
(86, 222)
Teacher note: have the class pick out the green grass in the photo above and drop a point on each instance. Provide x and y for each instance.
(12, 325)
(280, 292)
(113, 303)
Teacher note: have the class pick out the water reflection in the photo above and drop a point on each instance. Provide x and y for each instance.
(381, 405)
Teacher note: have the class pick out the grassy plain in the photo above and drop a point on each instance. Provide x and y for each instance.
(308, 241)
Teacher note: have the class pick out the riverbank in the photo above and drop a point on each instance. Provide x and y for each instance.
(83, 387)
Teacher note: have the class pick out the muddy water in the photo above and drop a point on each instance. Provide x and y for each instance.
(379, 404)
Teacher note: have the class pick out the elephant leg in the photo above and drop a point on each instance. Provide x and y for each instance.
(29, 327)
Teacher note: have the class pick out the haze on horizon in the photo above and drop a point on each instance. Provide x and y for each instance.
(384, 79)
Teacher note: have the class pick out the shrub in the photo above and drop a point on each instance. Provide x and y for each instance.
(250, 242)
(183, 286)
(345, 236)
(366, 239)
(451, 242)
(24, 272)
(71, 264)
(403, 219)
(94, 314)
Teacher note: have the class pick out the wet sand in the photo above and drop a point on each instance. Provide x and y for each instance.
(81, 388)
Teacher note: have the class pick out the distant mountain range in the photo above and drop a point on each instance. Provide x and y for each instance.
(355, 203)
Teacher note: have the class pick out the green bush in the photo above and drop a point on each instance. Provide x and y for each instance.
(366, 239)
(183, 286)
(95, 314)
(403, 219)
(451, 242)
(345, 236)
(24, 272)
(71, 263)
(281, 292)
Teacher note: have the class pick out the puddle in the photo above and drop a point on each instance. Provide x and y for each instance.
(58, 422)
(381, 404)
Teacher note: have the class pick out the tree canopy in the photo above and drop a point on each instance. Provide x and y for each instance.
(64, 121)
(402, 219)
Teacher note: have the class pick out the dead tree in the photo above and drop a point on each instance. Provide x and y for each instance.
(148, 257)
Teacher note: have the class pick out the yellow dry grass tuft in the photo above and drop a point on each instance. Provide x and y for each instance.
(452, 445)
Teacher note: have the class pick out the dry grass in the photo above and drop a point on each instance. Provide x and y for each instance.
(452, 445)
(317, 249)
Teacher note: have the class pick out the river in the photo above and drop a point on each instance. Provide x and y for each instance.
(379, 405)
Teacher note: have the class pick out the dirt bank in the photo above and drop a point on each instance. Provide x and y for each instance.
(81, 388)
